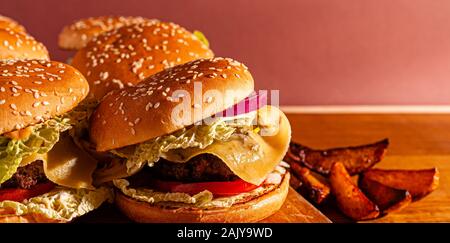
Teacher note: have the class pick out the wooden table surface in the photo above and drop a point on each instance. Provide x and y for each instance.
(416, 142)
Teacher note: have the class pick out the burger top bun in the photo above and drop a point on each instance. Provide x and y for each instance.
(11, 24)
(32, 91)
(136, 114)
(125, 56)
(17, 45)
(76, 35)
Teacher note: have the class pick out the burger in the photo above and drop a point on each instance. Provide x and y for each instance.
(10, 24)
(20, 45)
(193, 143)
(76, 35)
(123, 57)
(43, 177)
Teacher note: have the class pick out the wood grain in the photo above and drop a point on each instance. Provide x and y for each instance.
(416, 142)
(296, 209)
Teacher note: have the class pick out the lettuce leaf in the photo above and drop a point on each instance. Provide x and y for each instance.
(62, 203)
(151, 196)
(43, 136)
(79, 118)
(199, 136)
(201, 37)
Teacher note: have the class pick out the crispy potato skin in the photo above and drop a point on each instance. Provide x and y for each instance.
(388, 199)
(316, 190)
(350, 200)
(418, 183)
(356, 159)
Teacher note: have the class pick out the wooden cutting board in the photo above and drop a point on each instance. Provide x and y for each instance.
(295, 210)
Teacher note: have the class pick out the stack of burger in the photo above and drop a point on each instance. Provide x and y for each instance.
(177, 134)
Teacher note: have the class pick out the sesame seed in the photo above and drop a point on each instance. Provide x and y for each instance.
(13, 106)
(133, 131)
(156, 105)
(45, 103)
(148, 106)
(2, 102)
(36, 104)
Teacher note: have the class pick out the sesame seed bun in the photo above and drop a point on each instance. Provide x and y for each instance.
(16, 45)
(253, 210)
(137, 114)
(32, 91)
(125, 56)
(10, 24)
(76, 35)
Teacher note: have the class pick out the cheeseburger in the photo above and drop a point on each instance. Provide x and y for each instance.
(125, 56)
(43, 177)
(180, 153)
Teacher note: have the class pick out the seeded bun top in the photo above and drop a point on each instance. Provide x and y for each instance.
(137, 114)
(16, 45)
(10, 24)
(125, 56)
(76, 35)
(32, 91)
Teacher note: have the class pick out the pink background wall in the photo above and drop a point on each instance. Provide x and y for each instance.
(316, 52)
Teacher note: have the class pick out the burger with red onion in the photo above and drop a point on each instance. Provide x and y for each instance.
(193, 143)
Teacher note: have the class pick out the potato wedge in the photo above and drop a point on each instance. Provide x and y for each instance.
(388, 199)
(350, 200)
(418, 183)
(295, 182)
(355, 159)
(312, 187)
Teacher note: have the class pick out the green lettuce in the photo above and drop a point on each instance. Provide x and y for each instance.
(62, 203)
(199, 136)
(79, 118)
(43, 136)
(201, 37)
(151, 196)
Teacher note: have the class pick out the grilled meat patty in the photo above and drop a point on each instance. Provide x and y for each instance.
(204, 167)
(27, 176)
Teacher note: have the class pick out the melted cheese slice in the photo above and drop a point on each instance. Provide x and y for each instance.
(68, 165)
(240, 153)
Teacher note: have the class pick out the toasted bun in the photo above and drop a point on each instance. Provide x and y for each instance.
(16, 45)
(137, 114)
(76, 35)
(253, 210)
(8, 216)
(125, 56)
(32, 91)
(10, 24)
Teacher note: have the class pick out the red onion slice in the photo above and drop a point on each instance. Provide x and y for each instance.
(249, 104)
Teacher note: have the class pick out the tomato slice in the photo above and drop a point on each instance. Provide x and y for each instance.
(217, 188)
(18, 195)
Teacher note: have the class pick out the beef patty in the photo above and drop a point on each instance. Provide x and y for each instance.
(204, 167)
(26, 176)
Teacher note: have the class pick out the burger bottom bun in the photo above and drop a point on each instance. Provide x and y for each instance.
(9, 216)
(250, 211)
